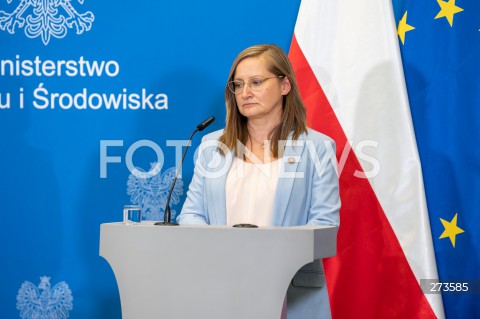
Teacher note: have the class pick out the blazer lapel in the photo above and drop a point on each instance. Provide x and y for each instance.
(217, 204)
(286, 178)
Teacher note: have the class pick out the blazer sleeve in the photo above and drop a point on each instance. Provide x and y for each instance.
(194, 210)
(325, 200)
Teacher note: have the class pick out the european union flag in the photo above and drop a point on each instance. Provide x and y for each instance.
(440, 47)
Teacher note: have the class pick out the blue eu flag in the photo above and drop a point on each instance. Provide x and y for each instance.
(440, 47)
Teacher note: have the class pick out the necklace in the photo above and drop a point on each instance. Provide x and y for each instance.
(260, 144)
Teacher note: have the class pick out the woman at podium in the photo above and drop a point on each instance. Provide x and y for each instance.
(266, 167)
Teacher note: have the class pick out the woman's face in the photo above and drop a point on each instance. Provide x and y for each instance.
(264, 102)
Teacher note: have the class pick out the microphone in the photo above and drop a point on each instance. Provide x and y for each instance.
(167, 218)
(204, 124)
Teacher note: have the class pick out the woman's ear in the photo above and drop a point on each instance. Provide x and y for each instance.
(286, 86)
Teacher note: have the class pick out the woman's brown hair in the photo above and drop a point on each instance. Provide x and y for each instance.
(294, 112)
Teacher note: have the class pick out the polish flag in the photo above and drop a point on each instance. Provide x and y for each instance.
(347, 61)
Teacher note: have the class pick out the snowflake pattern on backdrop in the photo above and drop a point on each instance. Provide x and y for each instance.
(46, 19)
(151, 193)
(42, 302)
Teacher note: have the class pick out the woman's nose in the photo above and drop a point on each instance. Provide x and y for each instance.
(247, 91)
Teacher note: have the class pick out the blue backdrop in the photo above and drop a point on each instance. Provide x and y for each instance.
(86, 87)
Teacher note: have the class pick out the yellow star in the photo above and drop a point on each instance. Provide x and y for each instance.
(403, 27)
(451, 229)
(447, 10)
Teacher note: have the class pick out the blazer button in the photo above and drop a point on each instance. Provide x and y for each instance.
(291, 160)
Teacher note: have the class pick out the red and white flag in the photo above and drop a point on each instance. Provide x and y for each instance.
(348, 65)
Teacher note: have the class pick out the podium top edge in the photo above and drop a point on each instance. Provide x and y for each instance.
(150, 224)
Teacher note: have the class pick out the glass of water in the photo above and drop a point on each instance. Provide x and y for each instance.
(132, 214)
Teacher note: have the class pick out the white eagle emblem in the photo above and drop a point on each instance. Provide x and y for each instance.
(46, 19)
(48, 304)
(151, 193)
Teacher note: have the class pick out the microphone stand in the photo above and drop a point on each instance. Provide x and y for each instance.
(167, 217)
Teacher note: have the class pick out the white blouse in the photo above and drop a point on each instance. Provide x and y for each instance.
(250, 192)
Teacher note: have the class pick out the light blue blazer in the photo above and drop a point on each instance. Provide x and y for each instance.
(307, 194)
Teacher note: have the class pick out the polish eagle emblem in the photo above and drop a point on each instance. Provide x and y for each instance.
(46, 19)
(44, 302)
(151, 193)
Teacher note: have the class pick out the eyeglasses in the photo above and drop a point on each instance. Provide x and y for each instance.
(254, 84)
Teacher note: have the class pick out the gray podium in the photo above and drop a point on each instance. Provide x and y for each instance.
(215, 272)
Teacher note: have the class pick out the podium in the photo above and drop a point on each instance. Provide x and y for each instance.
(214, 272)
